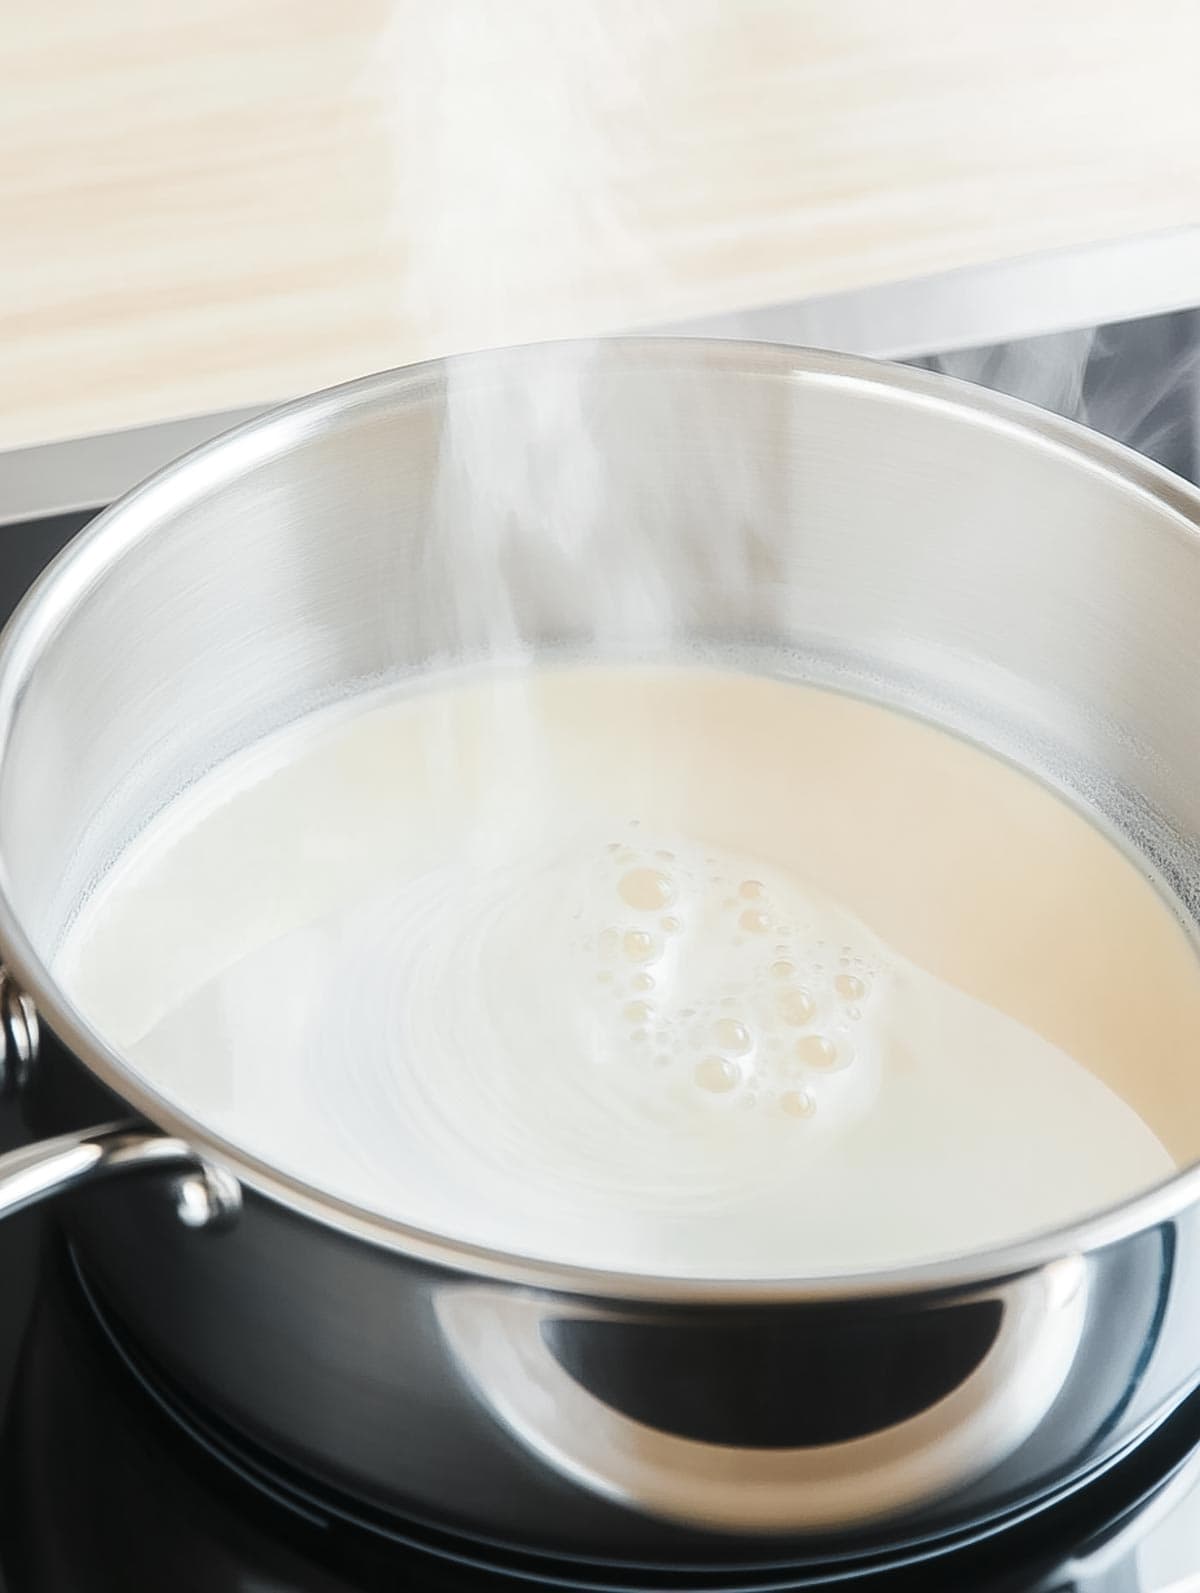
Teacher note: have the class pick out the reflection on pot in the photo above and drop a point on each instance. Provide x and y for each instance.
(773, 1421)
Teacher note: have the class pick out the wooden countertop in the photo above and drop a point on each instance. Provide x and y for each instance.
(205, 204)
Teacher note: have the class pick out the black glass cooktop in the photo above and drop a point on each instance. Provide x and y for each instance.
(103, 1486)
(102, 1489)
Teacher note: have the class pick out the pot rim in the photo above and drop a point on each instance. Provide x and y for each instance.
(49, 604)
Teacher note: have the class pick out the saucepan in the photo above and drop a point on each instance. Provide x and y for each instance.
(923, 542)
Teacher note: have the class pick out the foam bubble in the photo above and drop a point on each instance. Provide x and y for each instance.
(731, 1036)
(817, 1051)
(639, 945)
(797, 1103)
(646, 889)
(716, 1074)
(795, 1006)
(849, 987)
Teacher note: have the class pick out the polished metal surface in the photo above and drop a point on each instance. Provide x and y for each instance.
(506, 1345)
(974, 306)
(18, 1036)
(207, 1197)
(941, 549)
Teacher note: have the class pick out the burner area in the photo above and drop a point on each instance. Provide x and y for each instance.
(106, 1488)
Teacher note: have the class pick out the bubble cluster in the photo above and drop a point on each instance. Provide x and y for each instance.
(747, 986)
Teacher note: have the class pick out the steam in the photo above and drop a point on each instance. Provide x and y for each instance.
(515, 133)
(516, 136)
(1135, 382)
(560, 508)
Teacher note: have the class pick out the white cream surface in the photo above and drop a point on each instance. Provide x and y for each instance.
(551, 963)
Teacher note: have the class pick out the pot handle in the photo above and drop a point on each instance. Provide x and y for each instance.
(206, 1197)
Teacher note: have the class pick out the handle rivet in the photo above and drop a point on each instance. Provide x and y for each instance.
(19, 1035)
(210, 1199)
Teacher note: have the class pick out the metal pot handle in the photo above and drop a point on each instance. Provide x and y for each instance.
(206, 1197)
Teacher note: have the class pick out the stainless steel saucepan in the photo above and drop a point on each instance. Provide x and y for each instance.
(919, 541)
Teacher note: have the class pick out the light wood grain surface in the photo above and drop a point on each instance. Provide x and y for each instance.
(205, 203)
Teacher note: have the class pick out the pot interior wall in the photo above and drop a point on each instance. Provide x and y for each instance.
(876, 531)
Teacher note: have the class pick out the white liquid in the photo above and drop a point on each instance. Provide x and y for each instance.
(554, 964)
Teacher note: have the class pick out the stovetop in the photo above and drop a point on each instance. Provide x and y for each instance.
(104, 1486)
(102, 1490)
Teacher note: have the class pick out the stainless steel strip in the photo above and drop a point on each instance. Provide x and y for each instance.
(1107, 282)
(983, 305)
